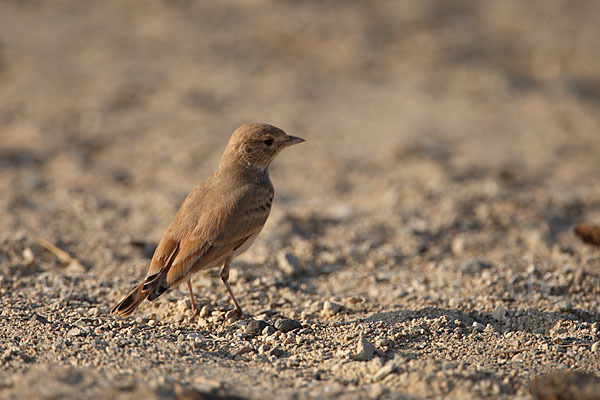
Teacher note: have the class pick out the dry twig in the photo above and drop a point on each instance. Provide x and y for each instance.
(64, 257)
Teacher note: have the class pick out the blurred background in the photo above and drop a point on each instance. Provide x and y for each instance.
(451, 148)
(417, 114)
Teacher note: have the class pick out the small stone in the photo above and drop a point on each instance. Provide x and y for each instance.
(240, 335)
(273, 338)
(343, 354)
(7, 355)
(304, 331)
(499, 313)
(194, 336)
(364, 350)
(243, 350)
(560, 328)
(28, 256)
(234, 275)
(454, 302)
(286, 325)
(232, 315)
(268, 330)
(288, 263)
(382, 342)
(263, 348)
(331, 308)
(74, 332)
(457, 245)
(342, 211)
(182, 305)
(564, 306)
(241, 324)
(384, 371)
(255, 327)
(478, 326)
(204, 312)
(276, 352)
(40, 318)
(595, 347)
(290, 339)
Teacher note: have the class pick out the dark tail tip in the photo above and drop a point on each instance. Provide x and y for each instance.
(130, 302)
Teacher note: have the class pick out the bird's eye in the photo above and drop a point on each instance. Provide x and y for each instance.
(268, 141)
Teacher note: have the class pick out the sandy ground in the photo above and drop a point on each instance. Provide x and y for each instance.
(421, 240)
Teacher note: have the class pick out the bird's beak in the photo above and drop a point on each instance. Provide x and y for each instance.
(291, 140)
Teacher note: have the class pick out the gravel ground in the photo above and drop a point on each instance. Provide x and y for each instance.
(421, 242)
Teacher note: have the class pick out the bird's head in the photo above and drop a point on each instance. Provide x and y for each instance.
(257, 145)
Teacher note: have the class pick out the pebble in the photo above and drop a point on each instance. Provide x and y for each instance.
(28, 256)
(290, 339)
(74, 332)
(272, 338)
(231, 315)
(478, 326)
(564, 306)
(204, 312)
(382, 342)
(499, 313)
(263, 348)
(595, 347)
(255, 327)
(194, 336)
(364, 350)
(288, 263)
(275, 352)
(331, 308)
(240, 335)
(457, 245)
(268, 330)
(244, 350)
(343, 354)
(304, 331)
(387, 369)
(286, 325)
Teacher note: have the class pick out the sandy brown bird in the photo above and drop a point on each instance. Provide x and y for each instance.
(218, 220)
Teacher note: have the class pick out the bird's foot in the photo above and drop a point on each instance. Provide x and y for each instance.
(194, 315)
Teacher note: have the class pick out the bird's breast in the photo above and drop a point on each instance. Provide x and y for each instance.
(246, 245)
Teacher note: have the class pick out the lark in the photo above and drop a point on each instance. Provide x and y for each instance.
(218, 220)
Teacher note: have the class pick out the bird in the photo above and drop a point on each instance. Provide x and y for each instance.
(218, 220)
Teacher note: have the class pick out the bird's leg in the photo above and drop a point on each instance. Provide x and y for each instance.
(194, 308)
(225, 279)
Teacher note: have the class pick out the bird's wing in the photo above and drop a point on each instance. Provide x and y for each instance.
(220, 227)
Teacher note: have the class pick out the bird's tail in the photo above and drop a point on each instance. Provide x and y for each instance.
(130, 302)
(152, 287)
